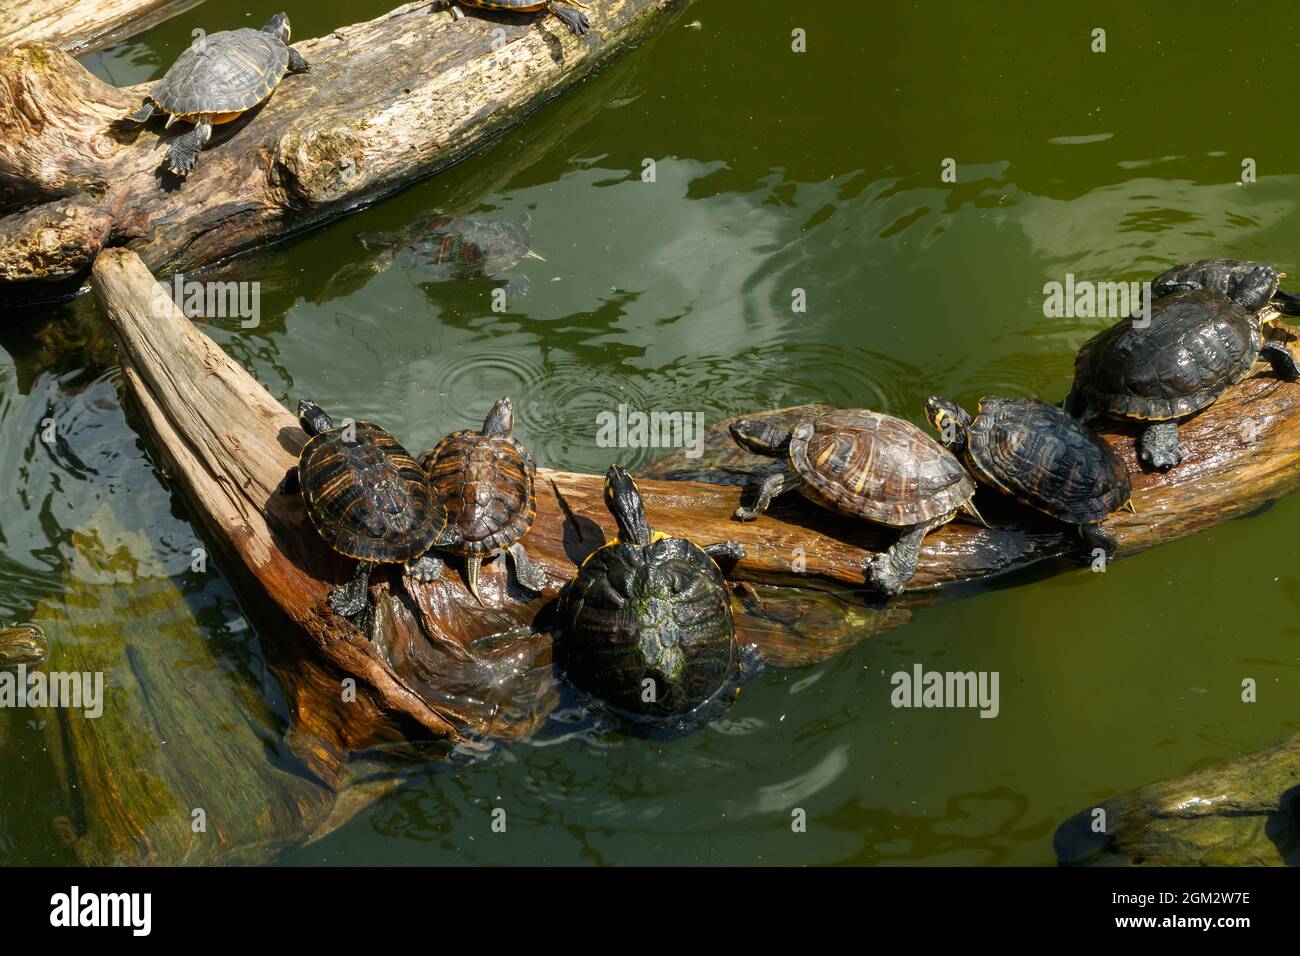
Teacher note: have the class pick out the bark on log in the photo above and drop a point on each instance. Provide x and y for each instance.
(386, 102)
(79, 26)
(446, 667)
(1242, 813)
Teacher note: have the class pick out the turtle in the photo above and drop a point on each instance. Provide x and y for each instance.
(219, 77)
(485, 479)
(867, 465)
(575, 20)
(368, 499)
(1039, 455)
(646, 624)
(459, 247)
(22, 645)
(1252, 285)
(1178, 359)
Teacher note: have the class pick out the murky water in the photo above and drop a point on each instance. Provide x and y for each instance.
(774, 171)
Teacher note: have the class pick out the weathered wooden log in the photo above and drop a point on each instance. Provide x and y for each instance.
(183, 763)
(79, 26)
(386, 102)
(1242, 813)
(445, 666)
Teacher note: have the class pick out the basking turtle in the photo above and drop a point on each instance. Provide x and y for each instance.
(575, 20)
(1191, 349)
(217, 78)
(866, 465)
(1252, 285)
(647, 623)
(1040, 456)
(485, 479)
(460, 247)
(22, 644)
(369, 500)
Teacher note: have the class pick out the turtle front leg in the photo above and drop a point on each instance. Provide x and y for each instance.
(1098, 537)
(1288, 303)
(771, 486)
(184, 152)
(138, 118)
(349, 600)
(527, 571)
(1279, 356)
(889, 572)
(725, 552)
(424, 569)
(575, 20)
(296, 63)
(1158, 446)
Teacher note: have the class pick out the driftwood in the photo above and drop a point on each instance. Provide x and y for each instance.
(1242, 813)
(177, 736)
(386, 102)
(79, 26)
(445, 667)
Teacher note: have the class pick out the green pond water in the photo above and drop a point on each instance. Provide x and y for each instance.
(775, 171)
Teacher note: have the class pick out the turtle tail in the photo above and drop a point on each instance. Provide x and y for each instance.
(472, 564)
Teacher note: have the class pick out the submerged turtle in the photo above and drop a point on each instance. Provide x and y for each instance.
(217, 78)
(575, 20)
(369, 500)
(460, 247)
(867, 465)
(22, 645)
(1194, 345)
(1040, 456)
(647, 623)
(485, 479)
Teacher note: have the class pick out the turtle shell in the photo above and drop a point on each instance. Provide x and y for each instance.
(226, 72)
(367, 497)
(470, 247)
(1045, 459)
(514, 6)
(1196, 345)
(877, 467)
(486, 483)
(1249, 284)
(660, 612)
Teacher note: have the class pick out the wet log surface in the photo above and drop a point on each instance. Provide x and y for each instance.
(1242, 813)
(446, 667)
(386, 102)
(79, 26)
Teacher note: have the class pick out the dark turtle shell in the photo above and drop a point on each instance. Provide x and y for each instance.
(660, 613)
(877, 467)
(1196, 345)
(226, 72)
(367, 497)
(486, 483)
(1250, 284)
(1045, 459)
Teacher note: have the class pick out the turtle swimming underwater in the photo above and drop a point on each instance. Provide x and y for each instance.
(369, 500)
(217, 78)
(485, 480)
(866, 465)
(1040, 456)
(460, 247)
(1195, 344)
(647, 622)
(575, 20)
(22, 644)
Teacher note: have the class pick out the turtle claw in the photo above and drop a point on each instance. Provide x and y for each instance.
(883, 576)
(527, 571)
(424, 569)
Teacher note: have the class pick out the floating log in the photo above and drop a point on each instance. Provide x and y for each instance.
(79, 26)
(386, 102)
(450, 668)
(1240, 813)
(184, 764)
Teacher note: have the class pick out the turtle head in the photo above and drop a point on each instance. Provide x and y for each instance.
(501, 419)
(950, 420)
(623, 499)
(278, 27)
(760, 437)
(313, 419)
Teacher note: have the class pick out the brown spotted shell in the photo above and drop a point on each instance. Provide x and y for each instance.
(877, 467)
(486, 482)
(226, 72)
